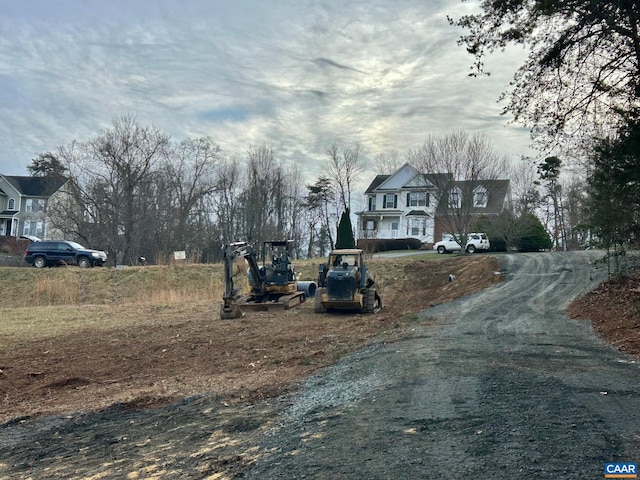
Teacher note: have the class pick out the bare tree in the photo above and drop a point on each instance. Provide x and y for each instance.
(388, 163)
(344, 169)
(190, 170)
(109, 172)
(227, 201)
(462, 169)
(525, 187)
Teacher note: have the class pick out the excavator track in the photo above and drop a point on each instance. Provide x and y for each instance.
(271, 303)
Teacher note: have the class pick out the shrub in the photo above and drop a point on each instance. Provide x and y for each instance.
(373, 245)
(534, 236)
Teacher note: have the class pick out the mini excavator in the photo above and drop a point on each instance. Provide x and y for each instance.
(273, 285)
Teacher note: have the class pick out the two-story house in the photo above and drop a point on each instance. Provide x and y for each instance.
(23, 204)
(407, 204)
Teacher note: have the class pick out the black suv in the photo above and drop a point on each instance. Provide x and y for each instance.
(61, 252)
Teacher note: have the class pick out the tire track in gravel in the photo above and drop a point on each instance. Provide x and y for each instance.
(503, 385)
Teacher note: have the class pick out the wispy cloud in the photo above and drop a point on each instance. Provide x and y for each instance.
(299, 76)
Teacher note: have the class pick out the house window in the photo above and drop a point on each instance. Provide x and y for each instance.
(391, 201)
(41, 205)
(33, 228)
(454, 198)
(394, 225)
(372, 203)
(28, 205)
(418, 199)
(418, 227)
(480, 197)
(12, 204)
(370, 225)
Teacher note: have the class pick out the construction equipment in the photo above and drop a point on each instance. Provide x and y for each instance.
(273, 285)
(346, 283)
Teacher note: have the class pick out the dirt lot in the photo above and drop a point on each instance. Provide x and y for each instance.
(180, 393)
(174, 351)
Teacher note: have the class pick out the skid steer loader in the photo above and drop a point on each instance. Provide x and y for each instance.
(345, 283)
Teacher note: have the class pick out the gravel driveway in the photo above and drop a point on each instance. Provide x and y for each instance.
(502, 386)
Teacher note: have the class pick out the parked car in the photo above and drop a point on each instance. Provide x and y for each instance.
(475, 242)
(46, 253)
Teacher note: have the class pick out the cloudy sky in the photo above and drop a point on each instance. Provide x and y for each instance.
(297, 75)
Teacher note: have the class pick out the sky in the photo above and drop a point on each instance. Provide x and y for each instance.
(296, 75)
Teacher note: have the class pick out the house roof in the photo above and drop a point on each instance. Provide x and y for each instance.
(497, 190)
(36, 186)
(376, 183)
(430, 179)
(417, 213)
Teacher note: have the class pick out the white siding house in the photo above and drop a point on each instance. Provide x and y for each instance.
(400, 205)
(406, 204)
(23, 204)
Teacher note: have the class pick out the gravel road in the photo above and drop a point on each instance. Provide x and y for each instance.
(503, 385)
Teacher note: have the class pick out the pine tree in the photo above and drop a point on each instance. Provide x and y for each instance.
(345, 232)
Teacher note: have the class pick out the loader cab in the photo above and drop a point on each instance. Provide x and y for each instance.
(343, 277)
(344, 261)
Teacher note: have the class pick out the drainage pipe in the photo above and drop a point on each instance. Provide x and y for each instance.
(309, 288)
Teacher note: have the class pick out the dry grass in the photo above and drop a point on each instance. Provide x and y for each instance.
(30, 287)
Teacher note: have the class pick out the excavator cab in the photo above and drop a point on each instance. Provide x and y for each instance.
(276, 263)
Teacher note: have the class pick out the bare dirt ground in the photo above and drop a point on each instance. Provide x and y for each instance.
(192, 396)
(185, 351)
(614, 310)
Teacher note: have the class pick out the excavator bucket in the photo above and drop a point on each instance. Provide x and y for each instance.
(230, 311)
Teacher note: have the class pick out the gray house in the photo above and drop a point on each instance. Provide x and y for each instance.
(23, 204)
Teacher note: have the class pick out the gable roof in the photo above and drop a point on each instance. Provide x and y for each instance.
(497, 190)
(376, 183)
(427, 180)
(35, 186)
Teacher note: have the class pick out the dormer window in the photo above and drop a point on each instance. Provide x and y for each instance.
(480, 197)
(12, 204)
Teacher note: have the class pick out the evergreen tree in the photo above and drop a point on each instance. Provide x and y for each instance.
(345, 232)
(534, 236)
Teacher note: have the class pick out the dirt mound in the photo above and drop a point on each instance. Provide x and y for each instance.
(614, 311)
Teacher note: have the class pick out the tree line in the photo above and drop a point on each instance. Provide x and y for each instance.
(135, 193)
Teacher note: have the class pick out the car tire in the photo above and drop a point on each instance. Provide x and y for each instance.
(39, 262)
(84, 262)
(441, 249)
(471, 249)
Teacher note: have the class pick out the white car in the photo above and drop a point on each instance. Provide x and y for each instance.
(475, 242)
